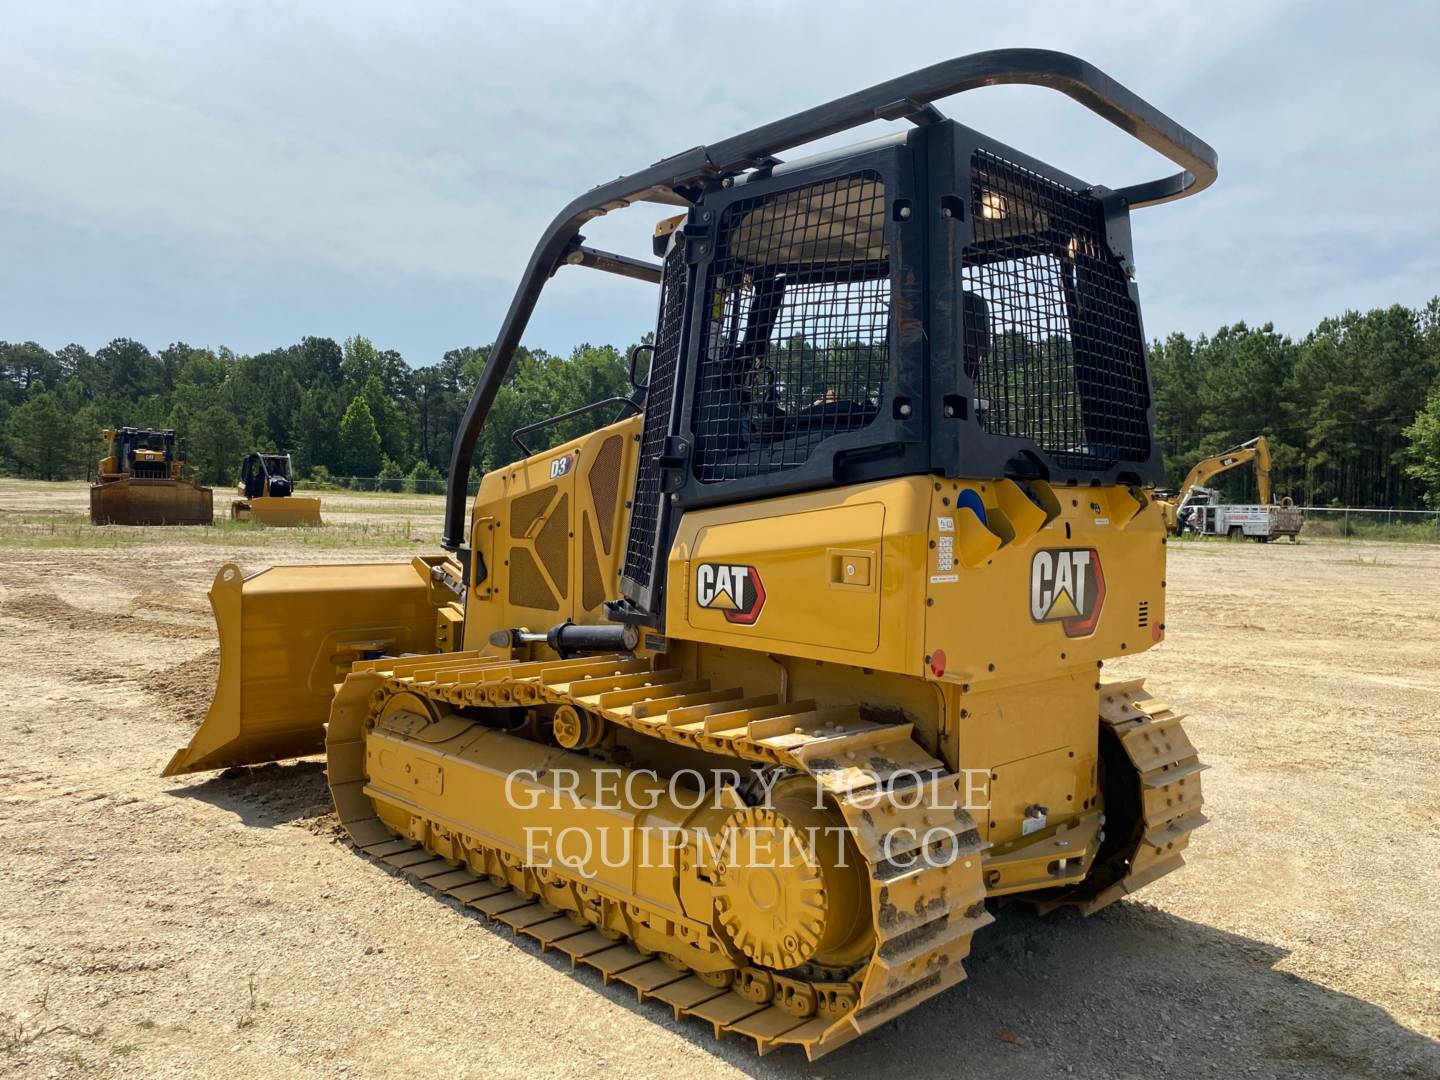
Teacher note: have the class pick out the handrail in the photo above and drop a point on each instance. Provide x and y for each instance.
(627, 407)
(909, 96)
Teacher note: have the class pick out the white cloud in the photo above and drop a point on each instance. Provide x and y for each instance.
(400, 145)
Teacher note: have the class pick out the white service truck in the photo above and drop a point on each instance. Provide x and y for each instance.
(1203, 513)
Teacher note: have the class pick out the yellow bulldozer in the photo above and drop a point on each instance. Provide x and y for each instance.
(756, 698)
(140, 482)
(267, 493)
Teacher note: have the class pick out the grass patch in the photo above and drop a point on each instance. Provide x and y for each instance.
(1405, 532)
(15, 484)
(1361, 560)
(368, 504)
(71, 530)
(16, 1032)
(228, 532)
(64, 531)
(1200, 545)
(248, 1018)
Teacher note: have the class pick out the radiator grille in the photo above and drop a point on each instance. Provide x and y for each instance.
(526, 509)
(604, 477)
(592, 593)
(659, 399)
(527, 585)
(796, 343)
(552, 544)
(1052, 337)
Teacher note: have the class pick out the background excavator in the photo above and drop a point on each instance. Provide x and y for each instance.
(838, 583)
(140, 482)
(267, 493)
(1207, 468)
(1199, 508)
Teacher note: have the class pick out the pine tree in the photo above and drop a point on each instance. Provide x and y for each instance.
(39, 434)
(1424, 447)
(359, 440)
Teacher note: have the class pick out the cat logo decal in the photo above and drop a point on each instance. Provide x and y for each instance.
(734, 590)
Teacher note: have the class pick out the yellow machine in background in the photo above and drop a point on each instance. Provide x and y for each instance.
(140, 483)
(267, 493)
(1206, 469)
(753, 701)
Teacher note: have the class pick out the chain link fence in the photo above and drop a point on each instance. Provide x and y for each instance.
(1371, 523)
(1321, 522)
(396, 485)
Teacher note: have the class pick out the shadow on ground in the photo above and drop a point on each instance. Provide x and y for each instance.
(266, 795)
(1130, 992)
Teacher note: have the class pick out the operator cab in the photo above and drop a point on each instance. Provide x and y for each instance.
(933, 302)
(266, 474)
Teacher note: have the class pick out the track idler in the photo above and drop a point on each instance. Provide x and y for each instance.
(789, 885)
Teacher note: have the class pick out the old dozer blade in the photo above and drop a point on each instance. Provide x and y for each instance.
(290, 510)
(136, 501)
(288, 635)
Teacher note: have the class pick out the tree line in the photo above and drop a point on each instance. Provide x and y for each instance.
(1351, 409)
(341, 409)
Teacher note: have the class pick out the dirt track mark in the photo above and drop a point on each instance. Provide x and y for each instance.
(184, 690)
(48, 609)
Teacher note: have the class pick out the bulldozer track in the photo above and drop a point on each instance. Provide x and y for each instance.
(1167, 805)
(922, 854)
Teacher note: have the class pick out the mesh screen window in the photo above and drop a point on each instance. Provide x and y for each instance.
(796, 341)
(645, 513)
(1052, 337)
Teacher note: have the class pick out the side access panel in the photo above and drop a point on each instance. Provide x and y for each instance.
(550, 533)
(288, 635)
(834, 575)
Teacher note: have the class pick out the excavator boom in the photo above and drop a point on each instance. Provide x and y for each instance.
(1206, 469)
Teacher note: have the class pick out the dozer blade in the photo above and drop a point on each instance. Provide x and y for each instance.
(290, 510)
(288, 635)
(133, 501)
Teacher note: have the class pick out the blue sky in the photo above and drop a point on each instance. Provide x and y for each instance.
(245, 174)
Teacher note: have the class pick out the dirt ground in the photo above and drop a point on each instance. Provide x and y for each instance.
(216, 926)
